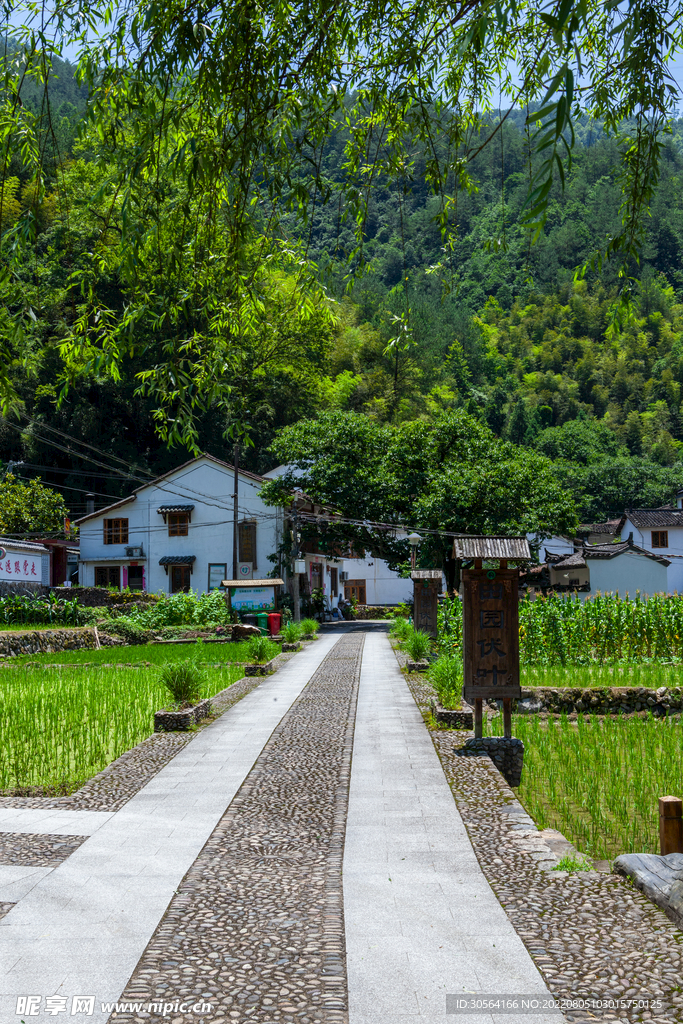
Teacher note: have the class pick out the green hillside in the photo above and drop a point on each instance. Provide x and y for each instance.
(497, 327)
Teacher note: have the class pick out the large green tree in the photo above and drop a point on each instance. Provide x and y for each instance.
(30, 509)
(448, 476)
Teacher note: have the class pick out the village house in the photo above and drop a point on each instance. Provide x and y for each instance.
(176, 532)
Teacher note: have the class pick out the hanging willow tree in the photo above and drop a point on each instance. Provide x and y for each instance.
(209, 120)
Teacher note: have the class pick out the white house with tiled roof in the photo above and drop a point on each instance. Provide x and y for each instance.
(176, 532)
(659, 531)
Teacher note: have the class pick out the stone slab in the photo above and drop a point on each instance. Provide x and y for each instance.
(51, 821)
(660, 878)
(434, 926)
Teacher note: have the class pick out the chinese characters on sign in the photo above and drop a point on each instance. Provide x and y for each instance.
(20, 567)
(491, 634)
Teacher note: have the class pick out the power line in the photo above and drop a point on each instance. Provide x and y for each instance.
(75, 440)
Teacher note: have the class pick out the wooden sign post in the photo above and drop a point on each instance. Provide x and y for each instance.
(426, 590)
(491, 640)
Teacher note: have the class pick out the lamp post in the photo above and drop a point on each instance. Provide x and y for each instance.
(413, 539)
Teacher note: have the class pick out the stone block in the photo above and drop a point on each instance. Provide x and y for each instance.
(460, 719)
(180, 721)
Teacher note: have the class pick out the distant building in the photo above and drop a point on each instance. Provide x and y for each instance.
(24, 567)
(601, 533)
(628, 569)
(660, 532)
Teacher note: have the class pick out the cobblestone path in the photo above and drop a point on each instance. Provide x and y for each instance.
(256, 927)
(591, 935)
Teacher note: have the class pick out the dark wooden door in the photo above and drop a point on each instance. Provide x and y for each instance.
(180, 579)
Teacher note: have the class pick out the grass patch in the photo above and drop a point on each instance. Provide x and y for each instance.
(60, 728)
(598, 780)
(649, 675)
(157, 654)
(570, 862)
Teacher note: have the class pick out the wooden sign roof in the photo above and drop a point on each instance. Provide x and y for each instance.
(514, 548)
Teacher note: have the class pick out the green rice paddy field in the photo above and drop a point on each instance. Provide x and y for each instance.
(649, 674)
(598, 780)
(155, 654)
(61, 727)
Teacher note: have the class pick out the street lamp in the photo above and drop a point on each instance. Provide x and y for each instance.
(413, 539)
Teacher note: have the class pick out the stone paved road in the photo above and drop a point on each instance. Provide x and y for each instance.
(218, 885)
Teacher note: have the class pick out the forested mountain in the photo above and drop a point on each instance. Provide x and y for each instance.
(497, 326)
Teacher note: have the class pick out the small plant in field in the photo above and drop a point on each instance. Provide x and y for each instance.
(261, 649)
(309, 626)
(399, 628)
(291, 633)
(417, 644)
(184, 682)
(571, 862)
(445, 675)
(403, 611)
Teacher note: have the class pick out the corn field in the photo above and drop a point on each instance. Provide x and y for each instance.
(565, 630)
(598, 780)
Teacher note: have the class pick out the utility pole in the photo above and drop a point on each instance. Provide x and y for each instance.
(295, 555)
(235, 513)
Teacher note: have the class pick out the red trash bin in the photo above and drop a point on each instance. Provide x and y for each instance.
(274, 621)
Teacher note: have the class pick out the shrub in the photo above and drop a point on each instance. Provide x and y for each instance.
(400, 628)
(417, 644)
(261, 649)
(20, 609)
(291, 633)
(184, 681)
(445, 674)
(309, 626)
(129, 629)
(184, 610)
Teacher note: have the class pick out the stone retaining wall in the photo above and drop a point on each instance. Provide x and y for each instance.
(613, 700)
(506, 754)
(46, 641)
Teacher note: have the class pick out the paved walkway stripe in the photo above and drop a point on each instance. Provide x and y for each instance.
(256, 927)
(83, 927)
(49, 821)
(421, 919)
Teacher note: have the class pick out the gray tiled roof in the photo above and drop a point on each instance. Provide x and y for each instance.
(575, 561)
(647, 517)
(612, 550)
(612, 526)
(177, 559)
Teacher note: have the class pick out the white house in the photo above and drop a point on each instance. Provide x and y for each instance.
(24, 566)
(176, 532)
(627, 569)
(660, 531)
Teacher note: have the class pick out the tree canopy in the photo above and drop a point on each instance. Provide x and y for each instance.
(448, 476)
(210, 121)
(30, 508)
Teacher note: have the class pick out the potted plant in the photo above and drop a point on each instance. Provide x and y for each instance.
(445, 675)
(418, 645)
(184, 682)
(262, 651)
(290, 637)
(309, 629)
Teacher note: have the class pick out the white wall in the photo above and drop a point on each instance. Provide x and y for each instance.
(209, 487)
(555, 545)
(382, 584)
(626, 574)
